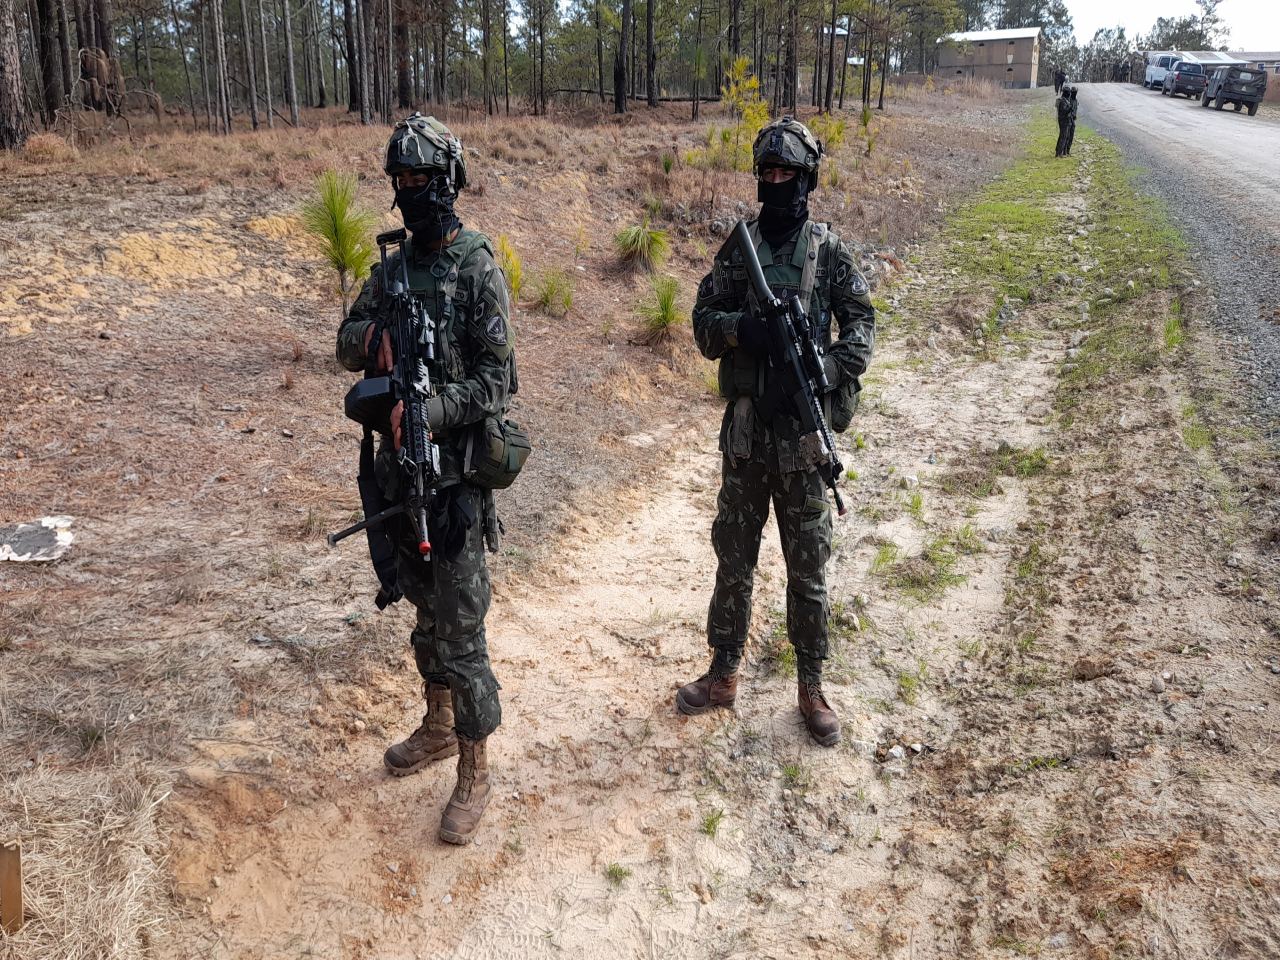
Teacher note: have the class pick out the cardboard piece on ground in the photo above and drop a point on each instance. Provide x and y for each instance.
(11, 886)
(40, 540)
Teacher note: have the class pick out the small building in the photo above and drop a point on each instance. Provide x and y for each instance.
(1009, 57)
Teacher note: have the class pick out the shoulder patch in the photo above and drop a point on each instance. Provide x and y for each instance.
(496, 330)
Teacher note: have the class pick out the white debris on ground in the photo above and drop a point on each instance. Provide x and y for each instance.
(36, 541)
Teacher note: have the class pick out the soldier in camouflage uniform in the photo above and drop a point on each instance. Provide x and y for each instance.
(765, 460)
(453, 270)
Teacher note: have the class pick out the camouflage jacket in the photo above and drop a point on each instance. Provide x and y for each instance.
(475, 359)
(840, 305)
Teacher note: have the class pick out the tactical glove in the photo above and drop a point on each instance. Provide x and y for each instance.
(753, 337)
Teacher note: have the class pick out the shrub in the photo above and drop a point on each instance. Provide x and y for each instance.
(661, 313)
(642, 246)
(333, 216)
(668, 161)
(511, 265)
(829, 129)
(48, 148)
(555, 293)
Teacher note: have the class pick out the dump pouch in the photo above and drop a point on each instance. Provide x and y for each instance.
(496, 452)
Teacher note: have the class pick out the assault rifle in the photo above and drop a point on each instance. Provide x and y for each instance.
(795, 359)
(370, 403)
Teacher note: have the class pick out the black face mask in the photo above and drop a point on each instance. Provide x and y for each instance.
(785, 206)
(428, 210)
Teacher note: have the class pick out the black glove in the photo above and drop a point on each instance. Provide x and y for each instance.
(753, 336)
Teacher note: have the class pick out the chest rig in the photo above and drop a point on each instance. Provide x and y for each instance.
(802, 273)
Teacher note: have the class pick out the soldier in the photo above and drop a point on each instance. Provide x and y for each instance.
(453, 271)
(1059, 78)
(763, 457)
(1066, 106)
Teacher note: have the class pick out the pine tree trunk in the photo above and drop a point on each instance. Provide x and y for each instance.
(204, 64)
(404, 85)
(64, 48)
(650, 55)
(831, 60)
(793, 59)
(599, 54)
(815, 95)
(620, 61)
(844, 62)
(484, 56)
(506, 73)
(884, 69)
(266, 66)
(186, 67)
(104, 32)
(50, 58)
(317, 53)
(290, 76)
(146, 50)
(14, 126)
(353, 59)
(250, 71)
(699, 61)
(362, 46)
(220, 51)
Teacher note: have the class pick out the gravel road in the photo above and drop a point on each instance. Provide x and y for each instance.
(1219, 175)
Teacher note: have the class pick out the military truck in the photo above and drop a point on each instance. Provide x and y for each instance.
(1239, 86)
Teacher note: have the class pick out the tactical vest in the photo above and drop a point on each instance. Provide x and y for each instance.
(804, 273)
(435, 278)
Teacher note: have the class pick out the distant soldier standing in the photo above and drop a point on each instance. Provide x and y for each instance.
(453, 272)
(1059, 78)
(764, 459)
(1066, 106)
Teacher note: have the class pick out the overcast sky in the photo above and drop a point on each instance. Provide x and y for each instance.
(1254, 24)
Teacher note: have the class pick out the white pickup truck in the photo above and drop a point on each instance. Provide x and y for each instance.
(1154, 77)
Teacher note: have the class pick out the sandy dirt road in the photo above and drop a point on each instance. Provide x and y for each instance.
(1217, 172)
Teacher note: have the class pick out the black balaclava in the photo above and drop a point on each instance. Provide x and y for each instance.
(785, 207)
(428, 210)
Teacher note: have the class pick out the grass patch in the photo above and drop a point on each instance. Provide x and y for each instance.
(661, 312)
(711, 823)
(554, 294)
(927, 576)
(642, 246)
(616, 874)
(512, 266)
(911, 683)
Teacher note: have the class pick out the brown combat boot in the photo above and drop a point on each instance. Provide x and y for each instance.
(433, 740)
(713, 689)
(470, 794)
(823, 724)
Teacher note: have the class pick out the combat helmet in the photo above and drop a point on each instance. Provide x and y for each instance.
(424, 143)
(788, 143)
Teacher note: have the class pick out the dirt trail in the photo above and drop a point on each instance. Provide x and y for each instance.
(1089, 774)
(595, 768)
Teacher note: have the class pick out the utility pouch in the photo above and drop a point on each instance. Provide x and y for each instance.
(496, 452)
(844, 404)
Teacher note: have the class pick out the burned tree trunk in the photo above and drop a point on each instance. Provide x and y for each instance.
(620, 61)
(650, 55)
(50, 57)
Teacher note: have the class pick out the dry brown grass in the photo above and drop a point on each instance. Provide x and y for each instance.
(49, 148)
(92, 855)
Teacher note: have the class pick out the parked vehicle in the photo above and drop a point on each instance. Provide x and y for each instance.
(1238, 86)
(1188, 79)
(1154, 76)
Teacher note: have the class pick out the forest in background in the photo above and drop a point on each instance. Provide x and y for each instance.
(214, 64)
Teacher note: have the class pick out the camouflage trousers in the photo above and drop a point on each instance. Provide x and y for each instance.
(804, 526)
(452, 596)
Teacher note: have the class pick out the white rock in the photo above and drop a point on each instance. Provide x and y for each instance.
(897, 751)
